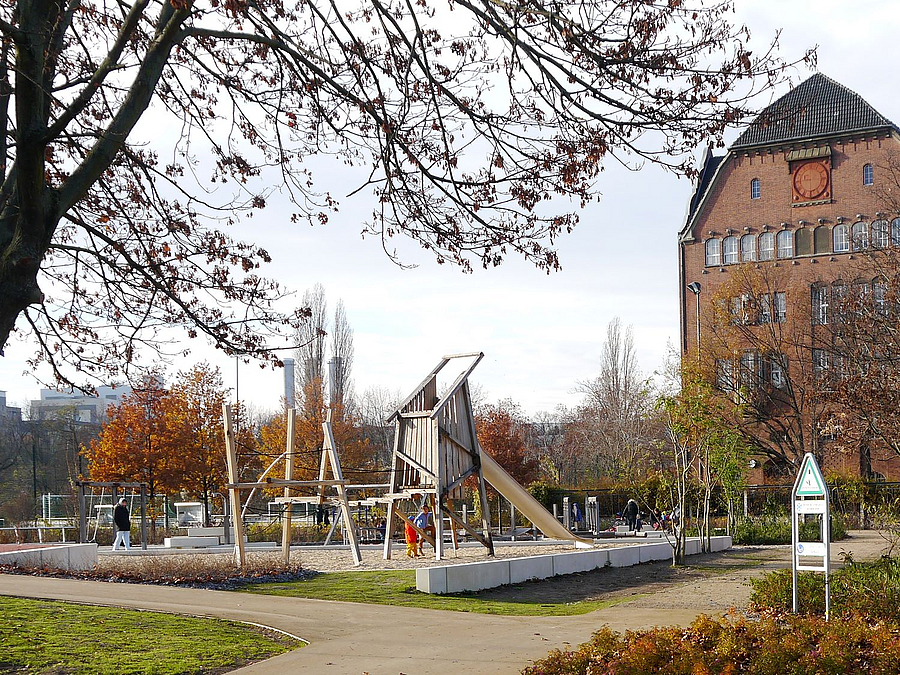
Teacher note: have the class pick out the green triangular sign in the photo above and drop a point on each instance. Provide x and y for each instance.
(810, 483)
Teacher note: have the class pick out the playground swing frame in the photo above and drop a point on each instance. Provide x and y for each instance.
(115, 486)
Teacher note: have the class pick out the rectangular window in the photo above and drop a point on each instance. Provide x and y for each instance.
(776, 372)
(724, 375)
(765, 309)
(879, 289)
(820, 305)
(749, 374)
(819, 360)
(780, 308)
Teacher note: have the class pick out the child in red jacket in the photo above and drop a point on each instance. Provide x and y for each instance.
(412, 538)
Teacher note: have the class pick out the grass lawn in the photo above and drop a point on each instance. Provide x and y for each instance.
(398, 587)
(45, 636)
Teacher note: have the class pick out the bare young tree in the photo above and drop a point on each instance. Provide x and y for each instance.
(464, 119)
(341, 356)
(615, 416)
(312, 338)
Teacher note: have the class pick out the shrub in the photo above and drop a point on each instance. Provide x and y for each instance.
(201, 570)
(777, 530)
(869, 588)
(733, 645)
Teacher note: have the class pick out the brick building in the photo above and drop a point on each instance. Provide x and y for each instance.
(777, 232)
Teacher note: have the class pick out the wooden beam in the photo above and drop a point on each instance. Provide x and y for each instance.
(474, 533)
(414, 464)
(460, 381)
(453, 439)
(427, 537)
(349, 525)
(280, 482)
(288, 475)
(450, 488)
(234, 492)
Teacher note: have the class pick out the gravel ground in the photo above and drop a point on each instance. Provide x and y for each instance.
(330, 560)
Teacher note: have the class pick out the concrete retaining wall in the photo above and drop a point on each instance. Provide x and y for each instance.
(491, 573)
(61, 557)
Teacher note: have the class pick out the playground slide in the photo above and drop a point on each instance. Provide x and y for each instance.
(507, 486)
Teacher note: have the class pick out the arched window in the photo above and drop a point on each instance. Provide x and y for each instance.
(841, 235)
(713, 252)
(860, 236)
(730, 250)
(822, 240)
(748, 248)
(785, 244)
(880, 234)
(895, 232)
(803, 241)
(868, 175)
(755, 191)
(767, 245)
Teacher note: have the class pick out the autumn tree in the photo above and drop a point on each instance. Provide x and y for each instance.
(137, 443)
(195, 421)
(546, 441)
(134, 135)
(354, 452)
(764, 364)
(860, 361)
(501, 430)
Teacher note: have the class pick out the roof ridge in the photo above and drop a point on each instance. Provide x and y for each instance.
(819, 106)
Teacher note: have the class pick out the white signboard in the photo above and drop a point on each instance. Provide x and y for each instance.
(810, 498)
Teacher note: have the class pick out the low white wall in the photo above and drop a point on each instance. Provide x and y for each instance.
(491, 573)
(61, 557)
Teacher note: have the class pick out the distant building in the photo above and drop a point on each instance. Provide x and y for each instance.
(88, 409)
(7, 412)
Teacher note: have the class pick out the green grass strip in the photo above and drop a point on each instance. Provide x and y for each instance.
(398, 588)
(47, 636)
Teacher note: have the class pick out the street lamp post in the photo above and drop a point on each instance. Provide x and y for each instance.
(694, 287)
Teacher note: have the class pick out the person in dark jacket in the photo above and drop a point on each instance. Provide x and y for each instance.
(631, 515)
(123, 525)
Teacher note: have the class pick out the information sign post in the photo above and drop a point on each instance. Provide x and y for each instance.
(810, 498)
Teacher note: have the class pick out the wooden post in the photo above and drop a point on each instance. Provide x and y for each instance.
(439, 480)
(144, 516)
(82, 515)
(288, 475)
(349, 525)
(391, 508)
(452, 526)
(233, 493)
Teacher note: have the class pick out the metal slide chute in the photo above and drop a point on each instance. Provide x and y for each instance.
(519, 497)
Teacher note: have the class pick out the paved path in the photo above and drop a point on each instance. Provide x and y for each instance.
(379, 640)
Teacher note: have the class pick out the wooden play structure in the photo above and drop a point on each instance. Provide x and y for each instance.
(435, 451)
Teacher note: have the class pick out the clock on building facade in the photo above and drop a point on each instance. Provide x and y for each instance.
(811, 181)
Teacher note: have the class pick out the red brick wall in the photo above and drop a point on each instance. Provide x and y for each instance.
(729, 206)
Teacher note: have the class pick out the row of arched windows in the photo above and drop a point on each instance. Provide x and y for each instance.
(842, 238)
(868, 178)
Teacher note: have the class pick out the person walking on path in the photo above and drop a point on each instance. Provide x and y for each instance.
(424, 522)
(631, 514)
(123, 525)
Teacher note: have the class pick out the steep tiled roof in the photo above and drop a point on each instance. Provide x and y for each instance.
(818, 107)
(710, 164)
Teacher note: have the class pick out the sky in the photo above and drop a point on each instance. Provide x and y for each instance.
(541, 334)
